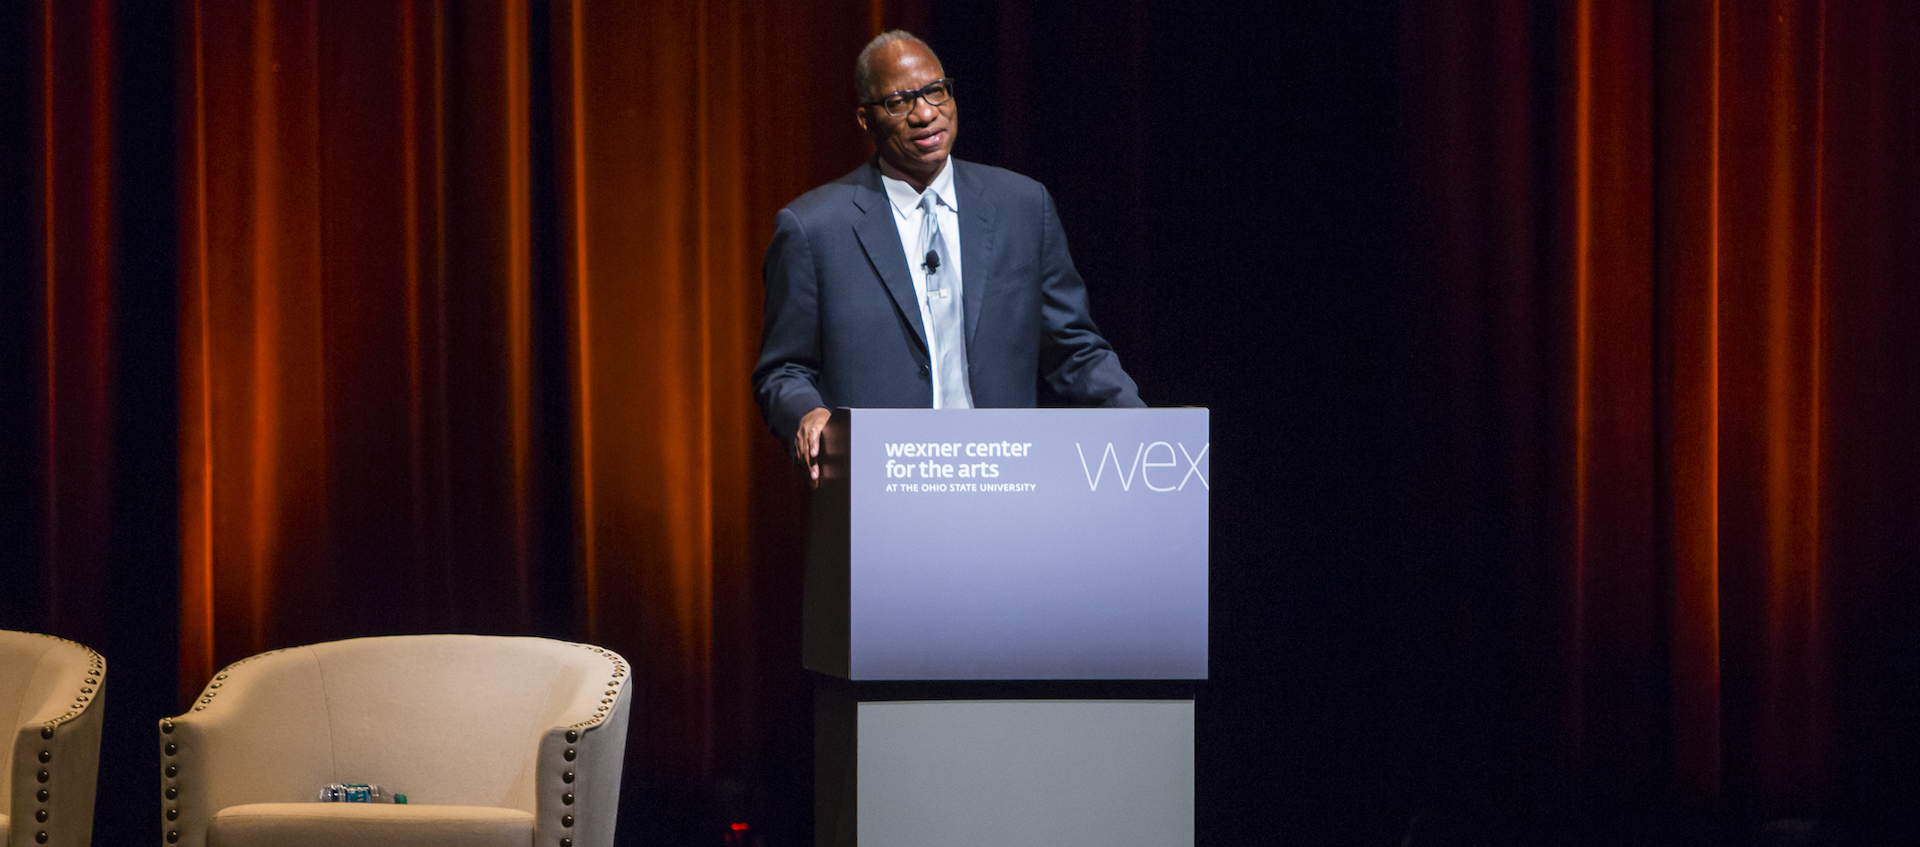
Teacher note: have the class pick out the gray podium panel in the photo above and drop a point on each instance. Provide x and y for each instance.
(1114, 773)
(1011, 544)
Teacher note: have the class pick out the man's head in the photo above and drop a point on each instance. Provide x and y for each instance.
(915, 145)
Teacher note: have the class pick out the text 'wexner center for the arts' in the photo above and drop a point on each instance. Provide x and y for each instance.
(897, 450)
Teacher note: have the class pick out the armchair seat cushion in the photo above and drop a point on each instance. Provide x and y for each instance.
(368, 825)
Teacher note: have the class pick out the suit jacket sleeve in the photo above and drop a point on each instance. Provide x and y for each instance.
(1077, 362)
(786, 379)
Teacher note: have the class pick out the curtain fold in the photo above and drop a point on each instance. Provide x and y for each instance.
(1686, 331)
(1602, 245)
(67, 385)
(1770, 300)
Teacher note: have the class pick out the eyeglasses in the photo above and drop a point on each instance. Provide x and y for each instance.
(936, 93)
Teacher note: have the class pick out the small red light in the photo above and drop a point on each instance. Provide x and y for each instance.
(739, 827)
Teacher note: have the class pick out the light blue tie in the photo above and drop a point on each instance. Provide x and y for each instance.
(948, 327)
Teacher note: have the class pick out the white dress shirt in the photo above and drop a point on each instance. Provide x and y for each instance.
(906, 218)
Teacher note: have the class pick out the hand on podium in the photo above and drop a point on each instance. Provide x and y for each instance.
(806, 443)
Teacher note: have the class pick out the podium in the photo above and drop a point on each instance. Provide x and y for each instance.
(1006, 610)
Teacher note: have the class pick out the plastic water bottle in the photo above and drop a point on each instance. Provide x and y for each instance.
(358, 792)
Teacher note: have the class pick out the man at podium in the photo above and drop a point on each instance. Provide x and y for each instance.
(920, 280)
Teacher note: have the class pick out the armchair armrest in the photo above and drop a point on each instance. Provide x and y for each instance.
(260, 742)
(56, 755)
(577, 775)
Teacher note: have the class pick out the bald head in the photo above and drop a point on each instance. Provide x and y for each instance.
(863, 73)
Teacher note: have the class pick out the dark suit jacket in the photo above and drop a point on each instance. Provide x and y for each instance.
(843, 325)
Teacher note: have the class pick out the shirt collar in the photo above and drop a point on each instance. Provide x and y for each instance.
(905, 200)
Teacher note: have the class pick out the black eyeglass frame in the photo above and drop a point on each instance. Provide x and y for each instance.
(913, 95)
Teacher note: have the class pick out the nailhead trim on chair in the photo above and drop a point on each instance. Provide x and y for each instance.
(213, 688)
(96, 667)
(170, 772)
(613, 686)
(615, 680)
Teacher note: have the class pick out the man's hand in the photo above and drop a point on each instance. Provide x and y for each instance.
(806, 443)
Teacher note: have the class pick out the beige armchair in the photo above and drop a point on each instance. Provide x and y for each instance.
(494, 740)
(50, 691)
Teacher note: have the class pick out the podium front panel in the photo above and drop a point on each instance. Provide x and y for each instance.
(956, 773)
(1012, 544)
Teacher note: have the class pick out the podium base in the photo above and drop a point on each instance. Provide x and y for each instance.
(939, 764)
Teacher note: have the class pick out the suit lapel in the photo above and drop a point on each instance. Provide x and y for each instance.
(977, 233)
(880, 238)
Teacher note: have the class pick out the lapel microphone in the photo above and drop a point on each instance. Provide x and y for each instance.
(933, 262)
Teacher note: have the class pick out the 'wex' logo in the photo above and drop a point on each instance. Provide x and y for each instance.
(1144, 460)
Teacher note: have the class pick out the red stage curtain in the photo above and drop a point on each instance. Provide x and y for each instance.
(683, 127)
(357, 422)
(1669, 243)
(469, 293)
